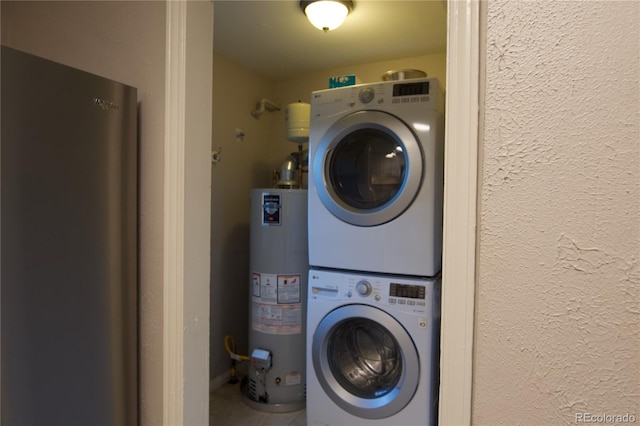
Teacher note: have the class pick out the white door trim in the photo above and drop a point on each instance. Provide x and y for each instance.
(187, 214)
(174, 231)
(460, 200)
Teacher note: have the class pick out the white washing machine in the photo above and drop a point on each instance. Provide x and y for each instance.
(376, 177)
(372, 349)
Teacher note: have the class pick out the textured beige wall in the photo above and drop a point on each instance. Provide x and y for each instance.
(557, 327)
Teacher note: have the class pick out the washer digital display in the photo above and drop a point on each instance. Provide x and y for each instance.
(408, 291)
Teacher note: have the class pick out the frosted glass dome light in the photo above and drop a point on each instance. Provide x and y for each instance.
(326, 15)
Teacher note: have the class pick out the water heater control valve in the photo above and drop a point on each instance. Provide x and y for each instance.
(261, 359)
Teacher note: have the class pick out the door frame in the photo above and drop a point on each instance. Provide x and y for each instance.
(187, 212)
(460, 220)
(460, 211)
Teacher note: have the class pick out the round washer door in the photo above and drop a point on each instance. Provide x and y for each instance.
(365, 361)
(368, 168)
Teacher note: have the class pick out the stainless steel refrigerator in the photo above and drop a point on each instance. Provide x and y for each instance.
(68, 246)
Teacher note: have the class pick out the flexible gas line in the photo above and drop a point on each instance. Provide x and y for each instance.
(230, 346)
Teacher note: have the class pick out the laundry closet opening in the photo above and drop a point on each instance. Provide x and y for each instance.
(268, 50)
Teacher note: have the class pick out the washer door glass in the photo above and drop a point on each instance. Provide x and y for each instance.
(368, 168)
(364, 358)
(365, 361)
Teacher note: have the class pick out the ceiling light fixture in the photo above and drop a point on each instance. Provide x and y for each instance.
(326, 15)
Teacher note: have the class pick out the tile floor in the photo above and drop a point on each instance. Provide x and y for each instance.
(226, 408)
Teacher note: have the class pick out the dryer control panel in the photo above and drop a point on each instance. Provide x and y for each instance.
(408, 294)
(420, 93)
(411, 89)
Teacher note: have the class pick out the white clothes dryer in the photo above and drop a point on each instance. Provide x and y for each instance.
(376, 177)
(372, 349)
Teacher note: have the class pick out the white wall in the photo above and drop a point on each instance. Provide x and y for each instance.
(558, 279)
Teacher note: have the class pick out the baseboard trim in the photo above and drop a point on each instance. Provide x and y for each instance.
(223, 378)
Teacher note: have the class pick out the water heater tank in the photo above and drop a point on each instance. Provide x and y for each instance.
(297, 117)
(278, 298)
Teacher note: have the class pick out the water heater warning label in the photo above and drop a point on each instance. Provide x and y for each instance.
(277, 307)
(288, 288)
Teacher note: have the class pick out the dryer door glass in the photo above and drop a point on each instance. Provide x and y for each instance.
(368, 168)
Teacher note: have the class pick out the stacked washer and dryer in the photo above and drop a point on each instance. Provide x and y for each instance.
(375, 244)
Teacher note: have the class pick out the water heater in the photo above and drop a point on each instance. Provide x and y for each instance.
(278, 298)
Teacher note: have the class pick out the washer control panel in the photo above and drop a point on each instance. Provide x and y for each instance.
(403, 293)
(363, 288)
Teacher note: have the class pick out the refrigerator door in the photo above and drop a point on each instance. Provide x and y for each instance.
(68, 246)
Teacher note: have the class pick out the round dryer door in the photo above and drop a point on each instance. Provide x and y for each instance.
(365, 361)
(368, 168)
